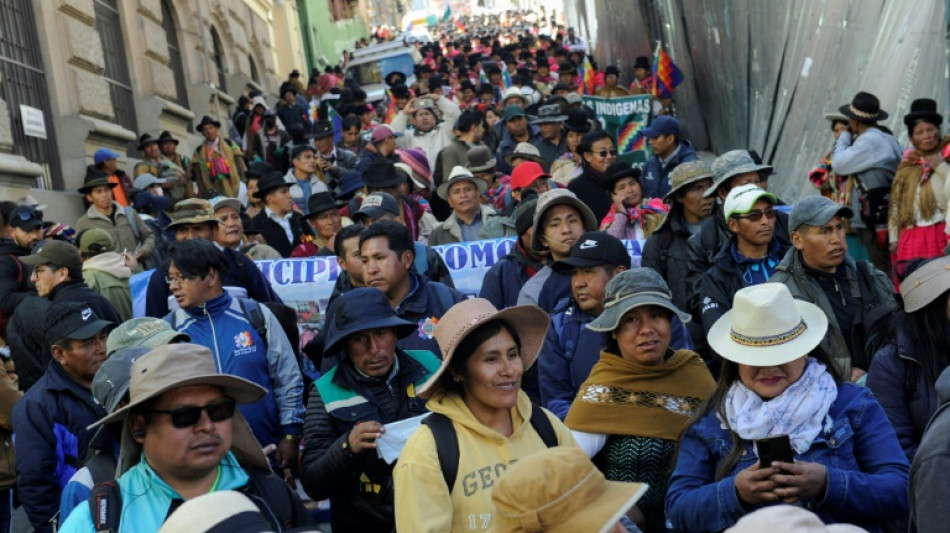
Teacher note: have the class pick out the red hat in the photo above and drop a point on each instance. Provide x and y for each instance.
(525, 174)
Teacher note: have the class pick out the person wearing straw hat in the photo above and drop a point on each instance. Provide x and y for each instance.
(868, 154)
(904, 373)
(917, 212)
(181, 437)
(476, 396)
(463, 191)
(788, 519)
(857, 298)
(639, 357)
(776, 381)
(372, 384)
(666, 250)
(561, 491)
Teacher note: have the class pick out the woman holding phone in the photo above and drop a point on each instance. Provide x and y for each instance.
(846, 465)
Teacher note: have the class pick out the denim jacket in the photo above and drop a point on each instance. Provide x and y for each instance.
(867, 470)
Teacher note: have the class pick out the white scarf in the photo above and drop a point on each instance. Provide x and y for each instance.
(798, 412)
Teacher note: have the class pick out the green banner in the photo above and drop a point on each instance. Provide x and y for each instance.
(623, 118)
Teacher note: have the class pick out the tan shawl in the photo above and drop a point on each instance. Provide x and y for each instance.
(621, 397)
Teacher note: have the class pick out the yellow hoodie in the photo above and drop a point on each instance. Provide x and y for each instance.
(423, 502)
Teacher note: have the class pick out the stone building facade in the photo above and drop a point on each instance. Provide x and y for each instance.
(99, 73)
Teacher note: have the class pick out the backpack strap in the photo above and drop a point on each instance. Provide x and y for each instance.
(101, 467)
(130, 216)
(252, 310)
(446, 446)
(542, 425)
(105, 506)
(272, 497)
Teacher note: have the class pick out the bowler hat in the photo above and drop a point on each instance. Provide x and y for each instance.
(320, 202)
(322, 128)
(145, 140)
(206, 120)
(166, 136)
(528, 151)
(577, 121)
(93, 179)
(611, 69)
(617, 171)
(381, 174)
(923, 109)
(361, 309)
(480, 159)
(642, 62)
(864, 107)
(272, 180)
(395, 77)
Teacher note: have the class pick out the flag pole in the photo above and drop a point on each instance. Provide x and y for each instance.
(656, 62)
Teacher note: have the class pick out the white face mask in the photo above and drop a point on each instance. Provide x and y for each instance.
(157, 190)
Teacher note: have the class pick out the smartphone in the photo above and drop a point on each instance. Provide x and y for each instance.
(424, 102)
(778, 448)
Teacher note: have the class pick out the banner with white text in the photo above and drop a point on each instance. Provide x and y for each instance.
(624, 117)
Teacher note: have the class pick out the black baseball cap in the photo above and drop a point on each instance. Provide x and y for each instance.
(26, 218)
(594, 248)
(73, 320)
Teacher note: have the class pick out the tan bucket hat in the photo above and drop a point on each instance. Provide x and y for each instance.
(192, 211)
(559, 490)
(767, 327)
(925, 284)
(180, 365)
(685, 174)
(528, 321)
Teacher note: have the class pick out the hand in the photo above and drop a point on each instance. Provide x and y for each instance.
(410, 106)
(754, 485)
(856, 374)
(800, 481)
(363, 436)
(618, 203)
(130, 261)
(286, 457)
(139, 255)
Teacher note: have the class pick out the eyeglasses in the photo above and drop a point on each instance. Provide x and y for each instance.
(757, 215)
(605, 153)
(189, 415)
(177, 279)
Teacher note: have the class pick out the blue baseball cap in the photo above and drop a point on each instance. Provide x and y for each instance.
(104, 154)
(662, 125)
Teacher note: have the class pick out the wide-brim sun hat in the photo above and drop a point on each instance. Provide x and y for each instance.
(637, 287)
(686, 174)
(559, 490)
(926, 284)
(361, 309)
(767, 327)
(460, 174)
(528, 321)
(730, 165)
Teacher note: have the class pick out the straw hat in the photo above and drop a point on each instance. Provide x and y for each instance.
(560, 490)
(788, 519)
(458, 174)
(529, 322)
(223, 511)
(767, 327)
(925, 284)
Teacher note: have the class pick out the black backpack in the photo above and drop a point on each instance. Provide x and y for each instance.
(447, 441)
(874, 327)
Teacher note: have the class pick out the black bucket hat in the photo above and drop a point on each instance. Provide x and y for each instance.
(146, 139)
(94, 179)
(358, 310)
(577, 121)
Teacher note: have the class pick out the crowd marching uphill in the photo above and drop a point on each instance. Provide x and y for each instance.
(665, 346)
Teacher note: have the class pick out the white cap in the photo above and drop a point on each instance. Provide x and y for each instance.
(741, 199)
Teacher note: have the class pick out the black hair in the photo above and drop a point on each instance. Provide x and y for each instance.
(300, 149)
(195, 258)
(591, 137)
(348, 232)
(465, 350)
(729, 374)
(351, 121)
(468, 120)
(838, 121)
(397, 235)
(928, 333)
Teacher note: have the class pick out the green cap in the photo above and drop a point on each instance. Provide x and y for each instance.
(96, 241)
(143, 331)
(59, 253)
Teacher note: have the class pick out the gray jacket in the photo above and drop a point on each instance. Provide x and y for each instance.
(791, 272)
(929, 483)
(449, 231)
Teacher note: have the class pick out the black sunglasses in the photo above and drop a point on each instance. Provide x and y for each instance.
(757, 215)
(604, 153)
(189, 415)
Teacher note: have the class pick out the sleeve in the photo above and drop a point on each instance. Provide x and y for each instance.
(423, 504)
(651, 256)
(11, 293)
(616, 225)
(156, 295)
(680, 339)
(710, 306)
(75, 494)
(36, 453)
(492, 287)
(929, 486)
(849, 158)
(285, 374)
(79, 521)
(400, 122)
(557, 394)
(893, 207)
(889, 389)
(325, 463)
(877, 489)
(591, 443)
(696, 266)
(693, 486)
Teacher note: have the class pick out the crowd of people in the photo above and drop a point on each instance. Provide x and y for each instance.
(760, 364)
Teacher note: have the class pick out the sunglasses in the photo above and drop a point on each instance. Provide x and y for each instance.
(757, 215)
(605, 153)
(189, 415)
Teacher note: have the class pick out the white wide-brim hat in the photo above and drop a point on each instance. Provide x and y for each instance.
(767, 327)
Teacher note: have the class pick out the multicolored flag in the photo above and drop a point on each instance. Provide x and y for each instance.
(482, 77)
(447, 14)
(586, 86)
(506, 78)
(666, 75)
(337, 122)
(391, 110)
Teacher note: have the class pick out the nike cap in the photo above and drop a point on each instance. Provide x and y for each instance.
(595, 248)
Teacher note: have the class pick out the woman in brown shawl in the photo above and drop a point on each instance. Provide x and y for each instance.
(629, 413)
(916, 221)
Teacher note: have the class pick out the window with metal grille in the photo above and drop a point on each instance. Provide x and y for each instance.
(23, 82)
(174, 53)
(218, 58)
(116, 70)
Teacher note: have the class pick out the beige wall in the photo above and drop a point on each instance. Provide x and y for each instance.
(81, 108)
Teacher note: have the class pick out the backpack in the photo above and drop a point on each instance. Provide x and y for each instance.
(874, 327)
(262, 488)
(447, 440)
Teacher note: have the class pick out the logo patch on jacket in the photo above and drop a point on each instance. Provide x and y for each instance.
(243, 340)
(427, 327)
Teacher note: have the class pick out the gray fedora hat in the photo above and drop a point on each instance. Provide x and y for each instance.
(631, 289)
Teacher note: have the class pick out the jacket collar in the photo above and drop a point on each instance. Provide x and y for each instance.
(92, 212)
(212, 307)
(415, 301)
(406, 369)
(59, 380)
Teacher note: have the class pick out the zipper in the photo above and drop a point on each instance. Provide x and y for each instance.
(214, 337)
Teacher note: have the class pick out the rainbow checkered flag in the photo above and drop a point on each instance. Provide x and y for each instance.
(391, 110)
(334, 117)
(587, 77)
(666, 75)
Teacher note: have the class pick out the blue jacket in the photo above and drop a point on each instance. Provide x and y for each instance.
(220, 325)
(504, 279)
(556, 288)
(656, 175)
(50, 441)
(867, 470)
(243, 272)
(571, 350)
(908, 411)
(426, 302)
(508, 144)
